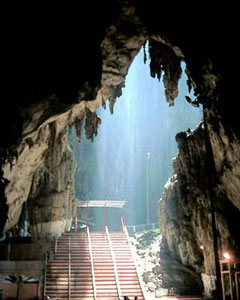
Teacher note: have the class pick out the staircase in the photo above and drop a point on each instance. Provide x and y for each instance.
(128, 278)
(103, 267)
(92, 266)
(69, 272)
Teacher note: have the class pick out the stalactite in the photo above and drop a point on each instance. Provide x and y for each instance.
(78, 123)
(163, 59)
(144, 53)
(91, 124)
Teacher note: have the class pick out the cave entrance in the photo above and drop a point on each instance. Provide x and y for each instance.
(131, 157)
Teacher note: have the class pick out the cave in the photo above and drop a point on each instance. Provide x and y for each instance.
(130, 158)
(61, 64)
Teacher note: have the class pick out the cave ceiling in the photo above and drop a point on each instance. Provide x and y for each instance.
(61, 63)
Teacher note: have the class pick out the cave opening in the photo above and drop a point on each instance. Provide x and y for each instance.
(130, 158)
(37, 166)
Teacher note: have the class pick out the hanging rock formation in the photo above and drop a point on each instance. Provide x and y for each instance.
(39, 165)
(58, 73)
(51, 199)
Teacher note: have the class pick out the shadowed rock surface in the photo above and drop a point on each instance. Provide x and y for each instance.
(185, 215)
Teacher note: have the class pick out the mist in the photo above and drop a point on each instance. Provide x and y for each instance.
(130, 159)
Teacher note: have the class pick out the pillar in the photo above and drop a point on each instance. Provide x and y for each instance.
(104, 218)
(76, 220)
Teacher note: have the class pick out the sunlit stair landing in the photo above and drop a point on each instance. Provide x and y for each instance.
(92, 266)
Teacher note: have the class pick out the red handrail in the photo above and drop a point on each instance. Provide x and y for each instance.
(69, 268)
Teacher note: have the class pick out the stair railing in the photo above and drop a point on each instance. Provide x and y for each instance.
(132, 254)
(55, 245)
(114, 263)
(92, 266)
(141, 227)
(69, 268)
(44, 275)
(122, 224)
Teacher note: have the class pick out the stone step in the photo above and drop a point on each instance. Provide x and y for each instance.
(81, 272)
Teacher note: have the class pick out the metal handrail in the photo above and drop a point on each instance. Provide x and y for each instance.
(114, 263)
(142, 227)
(69, 268)
(122, 223)
(55, 246)
(44, 275)
(92, 266)
(136, 266)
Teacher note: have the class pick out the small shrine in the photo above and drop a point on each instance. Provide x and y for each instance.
(230, 276)
(104, 208)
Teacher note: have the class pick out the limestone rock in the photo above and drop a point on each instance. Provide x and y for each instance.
(185, 216)
(41, 152)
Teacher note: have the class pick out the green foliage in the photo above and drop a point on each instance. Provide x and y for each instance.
(145, 238)
(19, 280)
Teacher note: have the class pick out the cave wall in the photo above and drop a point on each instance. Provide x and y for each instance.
(60, 73)
(42, 170)
(51, 199)
(38, 165)
(185, 211)
(65, 70)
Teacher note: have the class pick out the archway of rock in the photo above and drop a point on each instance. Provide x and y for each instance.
(135, 145)
(116, 166)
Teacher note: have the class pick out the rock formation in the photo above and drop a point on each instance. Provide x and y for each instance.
(58, 72)
(146, 250)
(39, 166)
(51, 198)
(185, 212)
